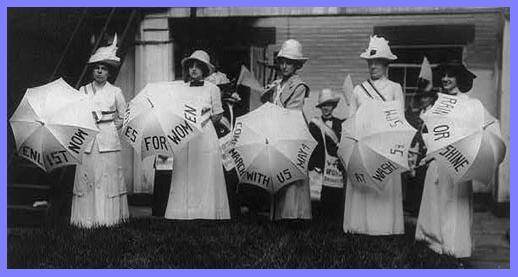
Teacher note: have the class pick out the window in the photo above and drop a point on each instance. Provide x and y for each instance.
(405, 70)
(411, 43)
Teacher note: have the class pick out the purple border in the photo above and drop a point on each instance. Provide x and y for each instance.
(162, 3)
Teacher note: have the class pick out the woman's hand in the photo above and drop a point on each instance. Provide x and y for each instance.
(425, 161)
(216, 118)
(162, 158)
(268, 91)
(118, 123)
(412, 158)
(95, 116)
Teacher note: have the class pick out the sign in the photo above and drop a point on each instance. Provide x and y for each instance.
(332, 175)
(225, 144)
(77, 141)
(303, 154)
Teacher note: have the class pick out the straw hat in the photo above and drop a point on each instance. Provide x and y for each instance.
(327, 96)
(292, 49)
(201, 56)
(106, 54)
(378, 49)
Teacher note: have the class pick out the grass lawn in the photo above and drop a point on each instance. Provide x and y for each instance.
(247, 243)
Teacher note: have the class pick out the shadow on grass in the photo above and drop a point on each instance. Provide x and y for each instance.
(258, 243)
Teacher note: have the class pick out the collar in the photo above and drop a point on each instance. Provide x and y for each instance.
(380, 80)
(93, 89)
(380, 83)
(196, 83)
(455, 92)
(289, 79)
(327, 119)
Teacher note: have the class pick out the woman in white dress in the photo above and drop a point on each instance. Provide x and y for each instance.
(446, 214)
(99, 195)
(294, 200)
(198, 189)
(367, 211)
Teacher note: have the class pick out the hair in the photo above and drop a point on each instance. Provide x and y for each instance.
(298, 64)
(204, 69)
(329, 103)
(384, 61)
(464, 81)
(111, 68)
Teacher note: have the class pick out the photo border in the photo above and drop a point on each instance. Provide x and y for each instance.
(252, 272)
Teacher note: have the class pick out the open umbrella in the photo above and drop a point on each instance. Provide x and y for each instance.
(53, 124)
(375, 143)
(163, 117)
(271, 147)
(464, 138)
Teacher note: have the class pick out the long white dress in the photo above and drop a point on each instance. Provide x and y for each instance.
(99, 194)
(198, 189)
(446, 213)
(367, 211)
(294, 200)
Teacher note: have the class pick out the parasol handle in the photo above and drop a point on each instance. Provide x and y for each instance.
(272, 206)
(150, 103)
(351, 138)
(231, 111)
(488, 124)
(426, 162)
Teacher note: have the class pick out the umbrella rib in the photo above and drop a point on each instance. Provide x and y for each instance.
(22, 142)
(307, 141)
(28, 136)
(257, 153)
(40, 148)
(61, 144)
(22, 120)
(384, 132)
(457, 141)
(70, 125)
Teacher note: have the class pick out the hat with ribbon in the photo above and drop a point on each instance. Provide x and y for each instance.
(106, 54)
(292, 49)
(201, 56)
(327, 96)
(378, 49)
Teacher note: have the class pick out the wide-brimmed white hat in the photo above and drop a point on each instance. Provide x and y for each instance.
(292, 49)
(201, 56)
(106, 54)
(378, 49)
(327, 96)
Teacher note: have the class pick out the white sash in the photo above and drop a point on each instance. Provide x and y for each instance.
(371, 90)
(325, 129)
(332, 176)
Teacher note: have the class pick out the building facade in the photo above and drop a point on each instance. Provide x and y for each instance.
(332, 39)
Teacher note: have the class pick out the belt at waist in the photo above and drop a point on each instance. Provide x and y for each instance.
(107, 116)
(105, 120)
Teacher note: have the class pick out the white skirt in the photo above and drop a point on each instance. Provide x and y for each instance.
(294, 201)
(446, 214)
(198, 189)
(370, 212)
(99, 195)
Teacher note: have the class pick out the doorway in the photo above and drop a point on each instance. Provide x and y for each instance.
(230, 43)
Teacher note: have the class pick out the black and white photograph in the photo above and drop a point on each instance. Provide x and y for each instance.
(233, 137)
